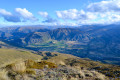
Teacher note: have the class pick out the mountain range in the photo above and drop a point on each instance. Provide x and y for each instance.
(97, 42)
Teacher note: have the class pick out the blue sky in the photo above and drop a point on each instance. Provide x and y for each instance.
(59, 12)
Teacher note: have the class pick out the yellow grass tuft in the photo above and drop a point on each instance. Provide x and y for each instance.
(19, 67)
(99, 76)
(82, 75)
(3, 75)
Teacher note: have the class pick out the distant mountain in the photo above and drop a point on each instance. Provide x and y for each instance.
(97, 42)
(69, 34)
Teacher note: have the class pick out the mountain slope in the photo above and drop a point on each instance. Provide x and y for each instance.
(81, 63)
(53, 65)
(95, 42)
(8, 56)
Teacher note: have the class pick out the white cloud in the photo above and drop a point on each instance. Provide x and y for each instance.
(43, 14)
(47, 18)
(24, 13)
(104, 12)
(4, 12)
(22, 16)
(8, 16)
(107, 11)
(67, 14)
(74, 14)
(104, 6)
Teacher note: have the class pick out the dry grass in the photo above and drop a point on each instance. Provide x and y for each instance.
(60, 58)
(3, 75)
(88, 73)
(39, 65)
(21, 70)
(23, 62)
(110, 71)
(19, 67)
(8, 56)
(99, 76)
(82, 74)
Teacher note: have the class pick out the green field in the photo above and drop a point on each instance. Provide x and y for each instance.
(51, 43)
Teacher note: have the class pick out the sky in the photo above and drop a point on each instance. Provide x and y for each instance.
(59, 12)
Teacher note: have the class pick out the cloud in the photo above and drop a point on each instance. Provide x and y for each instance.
(74, 14)
(68, 14)
(47, 18)
(104, 6)
(104, 12)
(107, 12)
(4, 12)
(8, 16)
(25, 14)
(12, 18)
(22, 15)
(43, 14)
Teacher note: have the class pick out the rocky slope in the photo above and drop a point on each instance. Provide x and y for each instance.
(43, 70)
(57, 66)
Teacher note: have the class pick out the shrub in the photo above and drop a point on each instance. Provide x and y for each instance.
(30, 71)
(39, 65)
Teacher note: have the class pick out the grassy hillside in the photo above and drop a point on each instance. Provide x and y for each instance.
(111, 71)
(7, 56)
(14, 61)
(54, 67)
(31, 70)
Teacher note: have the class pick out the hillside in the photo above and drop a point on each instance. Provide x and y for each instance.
(24, 70)
(8, 56)
(52, 65)
(111, 71)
